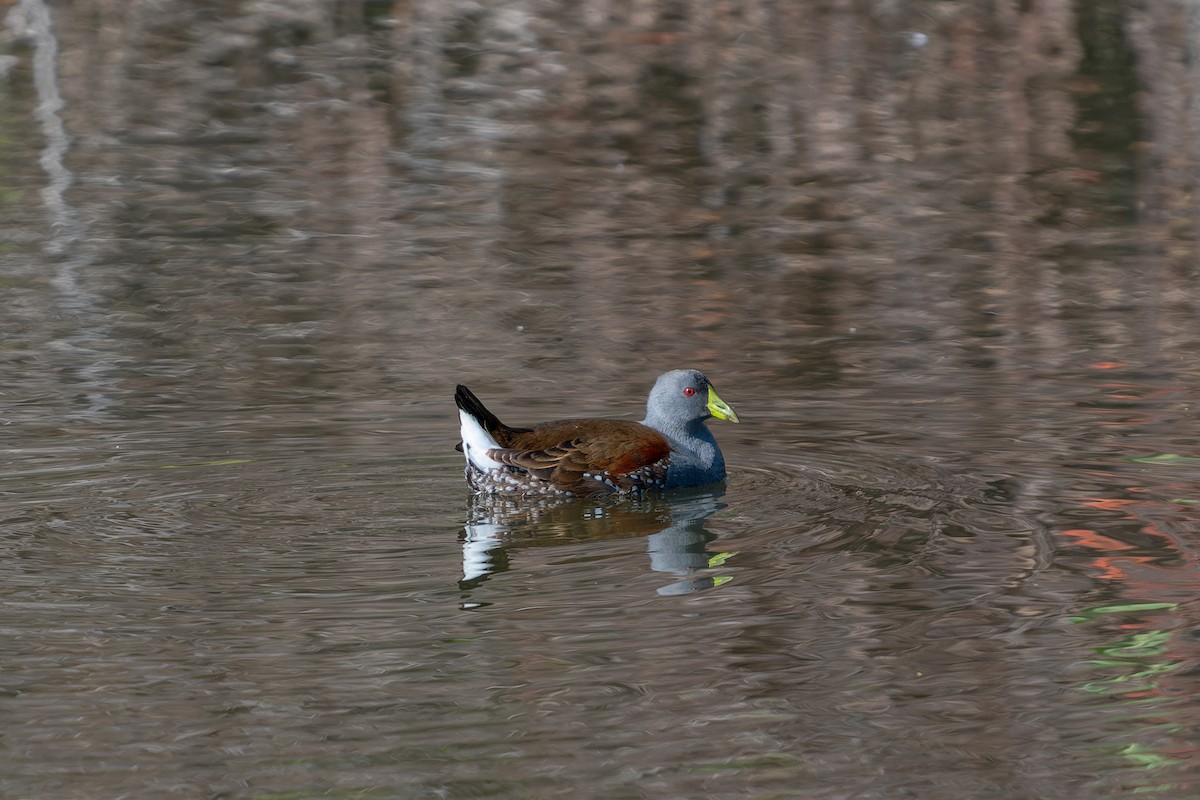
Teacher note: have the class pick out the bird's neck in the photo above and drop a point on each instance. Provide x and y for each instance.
(692, 437)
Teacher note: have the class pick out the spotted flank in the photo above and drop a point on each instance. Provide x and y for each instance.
(512, 482)
(671, 448)
(516, 482)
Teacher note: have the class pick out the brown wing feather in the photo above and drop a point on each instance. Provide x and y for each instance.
(539, 463)
(566, 452)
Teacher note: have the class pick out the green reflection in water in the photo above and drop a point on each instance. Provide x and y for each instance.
(1165, 458)
(1136, 663)
(1099, 611)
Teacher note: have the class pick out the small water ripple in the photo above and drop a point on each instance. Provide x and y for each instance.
(906, 531)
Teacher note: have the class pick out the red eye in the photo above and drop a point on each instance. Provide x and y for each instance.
(688, 392)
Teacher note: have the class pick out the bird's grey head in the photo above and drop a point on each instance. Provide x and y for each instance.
(683, 398)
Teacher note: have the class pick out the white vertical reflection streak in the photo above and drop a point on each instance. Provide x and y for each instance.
(32, 19)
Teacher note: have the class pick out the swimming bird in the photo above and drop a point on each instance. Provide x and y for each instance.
(671, 448)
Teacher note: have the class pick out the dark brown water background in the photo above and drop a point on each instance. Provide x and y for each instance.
(941, 257)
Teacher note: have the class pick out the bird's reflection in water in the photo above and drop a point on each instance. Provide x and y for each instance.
(672, 525)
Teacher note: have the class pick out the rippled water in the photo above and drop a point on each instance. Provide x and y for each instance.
(310, 611)
(247, 256)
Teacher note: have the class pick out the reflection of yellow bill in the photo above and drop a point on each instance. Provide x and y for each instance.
(719, 559)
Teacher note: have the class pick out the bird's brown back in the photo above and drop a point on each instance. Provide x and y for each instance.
(618, 446)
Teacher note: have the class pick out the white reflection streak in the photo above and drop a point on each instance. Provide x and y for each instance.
(32, 19)
(481, 540)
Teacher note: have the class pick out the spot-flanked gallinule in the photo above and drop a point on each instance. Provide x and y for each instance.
(671, 448)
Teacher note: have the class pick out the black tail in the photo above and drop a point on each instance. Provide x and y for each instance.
(468, 402)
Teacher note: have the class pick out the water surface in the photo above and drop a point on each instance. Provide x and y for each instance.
(940, 260)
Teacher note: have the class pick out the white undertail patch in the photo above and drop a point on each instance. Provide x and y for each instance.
(476, 442)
